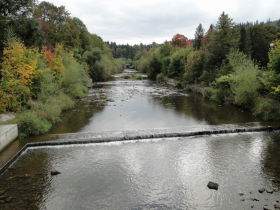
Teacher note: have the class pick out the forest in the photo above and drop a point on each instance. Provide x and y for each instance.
(48, 60)
(229, 63)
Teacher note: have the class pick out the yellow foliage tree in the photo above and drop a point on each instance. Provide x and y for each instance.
(18, 71)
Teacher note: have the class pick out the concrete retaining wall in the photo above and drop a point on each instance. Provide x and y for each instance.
(8, 133)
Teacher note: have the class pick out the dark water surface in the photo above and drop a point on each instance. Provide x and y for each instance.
(162, 174)
(159, 174)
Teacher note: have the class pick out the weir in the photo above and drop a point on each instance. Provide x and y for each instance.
(116, 136)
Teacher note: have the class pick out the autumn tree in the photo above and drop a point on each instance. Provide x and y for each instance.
(18, 71)
(180, 40)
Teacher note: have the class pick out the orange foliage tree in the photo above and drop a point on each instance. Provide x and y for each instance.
(180, 40)
(54, 59)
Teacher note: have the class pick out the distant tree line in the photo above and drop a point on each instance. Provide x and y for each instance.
(228, 63)
(129, 51)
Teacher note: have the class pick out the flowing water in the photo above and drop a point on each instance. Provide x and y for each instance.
(167, 173)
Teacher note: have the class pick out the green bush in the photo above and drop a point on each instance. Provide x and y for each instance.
(245, 79)
(160, 77)
(178, 61)
(29, 124)
(267, 109)
(74, 78)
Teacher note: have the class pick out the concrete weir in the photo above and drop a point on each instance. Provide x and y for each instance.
(8, 133)
(103, 137)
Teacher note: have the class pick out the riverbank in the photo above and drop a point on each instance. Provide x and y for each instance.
(265, 108)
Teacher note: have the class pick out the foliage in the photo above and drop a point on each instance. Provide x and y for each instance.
(18, 71)
(199, 34)
(223, 39)
(267, 109)
(180, 40)
(29, 123)
(274, 57)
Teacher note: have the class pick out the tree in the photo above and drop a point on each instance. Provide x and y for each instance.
(199, 34)
(16, 7)
(261, 36)
(225, 37)
(18, 70)
(52, 19)
(180, 40)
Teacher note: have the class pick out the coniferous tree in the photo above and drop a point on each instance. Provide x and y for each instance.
(199, 34)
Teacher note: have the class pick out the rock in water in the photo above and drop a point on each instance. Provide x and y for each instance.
(269, 191)
(261, 190)
(53, 173)
(213, 185)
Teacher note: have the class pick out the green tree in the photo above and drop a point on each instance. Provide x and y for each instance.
(225, 37)
(199, 34)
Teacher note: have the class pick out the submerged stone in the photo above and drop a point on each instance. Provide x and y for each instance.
(254, 199)
(213, 185)
(261, 190)
(54, 173)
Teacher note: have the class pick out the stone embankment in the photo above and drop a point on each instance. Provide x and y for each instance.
(8, 132)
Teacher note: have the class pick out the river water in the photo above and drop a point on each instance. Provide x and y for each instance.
(149, 174)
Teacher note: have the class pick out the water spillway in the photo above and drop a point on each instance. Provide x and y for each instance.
(161, 173)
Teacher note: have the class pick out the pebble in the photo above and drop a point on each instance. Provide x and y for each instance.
(241, 194)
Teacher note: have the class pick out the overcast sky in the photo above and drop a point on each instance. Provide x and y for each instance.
(136, 21)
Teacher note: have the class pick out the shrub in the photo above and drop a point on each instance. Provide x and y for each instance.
(267, 109)
(274, 57)
(29, 123)
(160, 77)
(74, 78)
(245, 82)
(178, 61)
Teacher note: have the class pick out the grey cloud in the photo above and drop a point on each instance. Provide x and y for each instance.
(134, 21)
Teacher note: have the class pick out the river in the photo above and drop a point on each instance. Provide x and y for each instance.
(166, 173)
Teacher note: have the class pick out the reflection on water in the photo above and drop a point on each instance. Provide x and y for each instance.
(161, 174)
